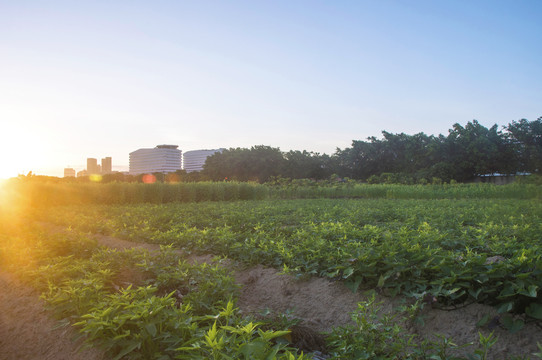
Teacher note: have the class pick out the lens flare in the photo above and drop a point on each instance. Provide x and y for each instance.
(95, 178)
(149, 179)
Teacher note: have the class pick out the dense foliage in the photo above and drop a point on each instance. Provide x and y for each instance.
(37, 193)
(466, 152)
(458, 251)
(263, 163)
(443, 246)
(139, 305)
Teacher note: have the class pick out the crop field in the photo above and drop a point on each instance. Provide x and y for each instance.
(464, 245)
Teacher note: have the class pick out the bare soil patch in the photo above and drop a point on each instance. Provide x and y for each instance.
(323, 305)
(27, 331)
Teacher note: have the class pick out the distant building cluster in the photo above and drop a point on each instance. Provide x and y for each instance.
(69, 172)
(93, 168)
(166, 159)
(195, 159)
(160, 159)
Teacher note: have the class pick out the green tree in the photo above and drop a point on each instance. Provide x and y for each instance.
(526, 139)
(305, 165)
(476, 150)
(259, 163)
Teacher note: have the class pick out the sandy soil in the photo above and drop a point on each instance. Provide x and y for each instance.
(27, 332)
(320, 304)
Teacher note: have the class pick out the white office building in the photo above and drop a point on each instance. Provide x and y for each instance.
(161, 159)
(194, 160)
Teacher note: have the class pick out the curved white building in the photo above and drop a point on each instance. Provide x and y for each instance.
(161, 159)
(193, 160)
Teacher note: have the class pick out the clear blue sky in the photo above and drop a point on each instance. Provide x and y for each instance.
(85, 79)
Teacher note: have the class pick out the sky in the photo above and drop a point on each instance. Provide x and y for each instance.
(98, 78)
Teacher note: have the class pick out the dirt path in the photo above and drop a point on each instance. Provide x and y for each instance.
(320, 304)
(26, 330)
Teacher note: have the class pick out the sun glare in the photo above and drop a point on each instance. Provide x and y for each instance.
(10, 168)
(3, 190)
(20, 159)
(7, 198)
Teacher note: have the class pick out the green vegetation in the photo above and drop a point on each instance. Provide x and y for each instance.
(463, 154)
(384, 336)
(468, 250)
(36, 193)
(441, 245)
(30, 193)
(123, 301)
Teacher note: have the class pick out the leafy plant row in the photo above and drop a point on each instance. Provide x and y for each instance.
(36, 193)
(121, 302)
(140, 305)
(457, 251)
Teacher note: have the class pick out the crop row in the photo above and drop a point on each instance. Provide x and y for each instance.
(139, 305)
(457, 251)
(40, 194)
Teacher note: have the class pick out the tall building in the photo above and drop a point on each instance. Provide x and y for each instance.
(69, 172)
(162, 159)
(194, 160)
(107, 165)
(92, 166)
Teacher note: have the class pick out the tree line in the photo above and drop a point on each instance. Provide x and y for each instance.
(463, 154)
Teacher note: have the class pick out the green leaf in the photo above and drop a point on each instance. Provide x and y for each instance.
(381, 281)
(252, 349)
(476, 293)
(530, 292)
(347, 272)
(272, 354)
(127, 350)
(268, 335)
(483, 320)
(454, 290)
(505, 307)
(354, 285)
(534, 310)
(507, 292)
(123, 335)
(151, 329)
(512, 325)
